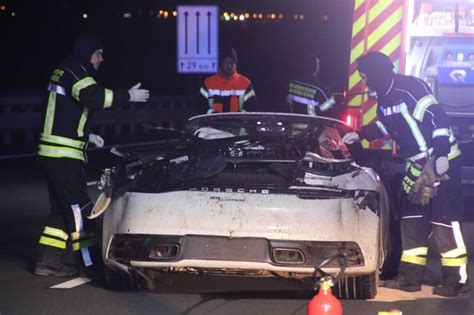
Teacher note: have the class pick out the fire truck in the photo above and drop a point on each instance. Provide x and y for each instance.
(429, 39)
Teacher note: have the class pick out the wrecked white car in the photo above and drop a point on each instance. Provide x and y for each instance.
(254, 194)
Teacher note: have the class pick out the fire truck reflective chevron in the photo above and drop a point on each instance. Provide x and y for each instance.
(377, 25)
(429, 39)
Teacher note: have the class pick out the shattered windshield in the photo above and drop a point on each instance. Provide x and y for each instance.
(320, 135)
(239, 149)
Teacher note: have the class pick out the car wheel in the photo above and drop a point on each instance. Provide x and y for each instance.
(357, 287)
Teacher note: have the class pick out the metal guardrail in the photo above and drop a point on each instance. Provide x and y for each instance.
(20, 119)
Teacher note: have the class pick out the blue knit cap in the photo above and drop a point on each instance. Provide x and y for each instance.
(228, 53)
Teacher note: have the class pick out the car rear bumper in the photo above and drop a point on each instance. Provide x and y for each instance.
(219, 254)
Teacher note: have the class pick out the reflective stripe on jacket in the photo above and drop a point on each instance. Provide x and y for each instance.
(234, 94)
(72, 94)
(411, 115)
(311, 99)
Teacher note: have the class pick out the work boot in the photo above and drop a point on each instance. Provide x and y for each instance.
(61, 270)
(452, 290)
(401, 283)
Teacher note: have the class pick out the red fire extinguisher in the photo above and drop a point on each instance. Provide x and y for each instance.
(325, 303)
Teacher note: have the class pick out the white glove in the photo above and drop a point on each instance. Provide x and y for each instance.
(350, 137)
(97, 140)
(137, 94)
(441, 165)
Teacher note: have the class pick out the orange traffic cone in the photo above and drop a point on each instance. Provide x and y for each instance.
(324, 303)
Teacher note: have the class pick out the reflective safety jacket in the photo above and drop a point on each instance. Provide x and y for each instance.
(411, 115)
(72, 93)
(234, 94)
(309, 98)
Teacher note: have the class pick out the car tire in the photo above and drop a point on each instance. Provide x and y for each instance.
(357, 287)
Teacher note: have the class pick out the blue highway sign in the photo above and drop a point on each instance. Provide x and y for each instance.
(197, 33)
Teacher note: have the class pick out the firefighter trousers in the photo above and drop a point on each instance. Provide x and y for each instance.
(67, 229)
(440, 220)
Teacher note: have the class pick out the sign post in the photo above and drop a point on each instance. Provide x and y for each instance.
(197, 33)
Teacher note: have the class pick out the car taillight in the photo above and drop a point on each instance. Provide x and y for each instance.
(349, 120)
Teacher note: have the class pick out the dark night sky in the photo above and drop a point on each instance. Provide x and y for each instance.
(143, 48)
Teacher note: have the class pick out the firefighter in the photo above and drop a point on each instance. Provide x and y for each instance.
(72, 94)
(307, 94)
(408, 112)
(228, 90)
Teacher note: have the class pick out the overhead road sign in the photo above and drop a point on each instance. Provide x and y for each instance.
(197, 32)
